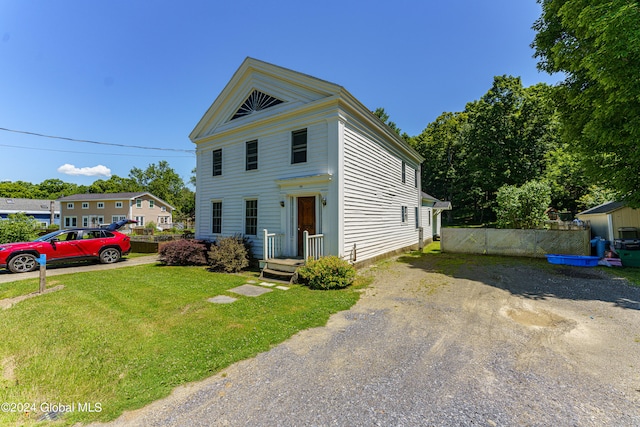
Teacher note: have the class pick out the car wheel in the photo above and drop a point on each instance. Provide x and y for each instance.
(22, 263)
(109, 256)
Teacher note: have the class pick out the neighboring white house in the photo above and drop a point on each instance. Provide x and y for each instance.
(286, 152)
(432, 215)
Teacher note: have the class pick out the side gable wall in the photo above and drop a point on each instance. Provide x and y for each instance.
(374, 195)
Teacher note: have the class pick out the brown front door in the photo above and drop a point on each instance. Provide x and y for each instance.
(306, 218)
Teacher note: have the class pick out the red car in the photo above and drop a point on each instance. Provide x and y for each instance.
(65, 245)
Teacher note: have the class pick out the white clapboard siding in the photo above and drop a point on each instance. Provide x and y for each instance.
(236, 184)
(373, 198)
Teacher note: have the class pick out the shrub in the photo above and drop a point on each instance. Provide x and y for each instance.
(18, 227)
(183, 252)
(327, 273)
(229, 254)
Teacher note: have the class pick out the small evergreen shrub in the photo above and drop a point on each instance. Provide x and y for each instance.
(329, 272)
(183, 252)
(229, 254)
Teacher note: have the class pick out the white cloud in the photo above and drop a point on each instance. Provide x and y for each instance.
(99, 170)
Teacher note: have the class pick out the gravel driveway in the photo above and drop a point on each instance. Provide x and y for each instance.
(494, 342)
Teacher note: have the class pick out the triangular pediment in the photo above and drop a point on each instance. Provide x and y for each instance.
(259, 91)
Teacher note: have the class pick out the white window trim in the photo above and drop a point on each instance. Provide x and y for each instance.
(119, 205)
(85, 205)
(70, 205)
(100, 205)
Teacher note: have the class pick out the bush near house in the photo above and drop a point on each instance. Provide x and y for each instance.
(230, 254)
(183, 252)
(328, 272)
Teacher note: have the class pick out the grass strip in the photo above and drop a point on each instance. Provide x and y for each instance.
(123, 338)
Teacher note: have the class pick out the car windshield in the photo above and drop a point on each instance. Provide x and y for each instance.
(46, 237)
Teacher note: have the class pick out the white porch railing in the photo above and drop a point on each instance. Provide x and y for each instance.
(312, 246)
(272, 245)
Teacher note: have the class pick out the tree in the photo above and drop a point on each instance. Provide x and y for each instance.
(18, 227)
(523, 206)
(510, 130)
(440, 143)
(160, 180)
(18, 189)
(382, 115)
(54, 188)
(115, 184)
(596, 43)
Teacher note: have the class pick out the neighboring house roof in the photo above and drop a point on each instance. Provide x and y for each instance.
(110, 196)
(435, 203)
(29, 206)
(313, 93)
(604, 208)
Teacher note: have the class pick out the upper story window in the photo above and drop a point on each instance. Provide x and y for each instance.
(252, 155)
(138, 203)
(416, 177)
(217, 162)
(118, 205)
(255, 102)
(151, 204)
(404, 172)
(69, 205)
(100, 205)
(85, 205)
(299, 146)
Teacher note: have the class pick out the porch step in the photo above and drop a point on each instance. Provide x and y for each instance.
(280, 270)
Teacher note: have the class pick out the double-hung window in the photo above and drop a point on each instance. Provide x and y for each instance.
(405, 214)
(404, 172)
(216, 217)
(299, 146)
(252, 155)
(251, 217)
(217, 162)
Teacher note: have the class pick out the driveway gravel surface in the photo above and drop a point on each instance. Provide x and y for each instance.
(493, 342)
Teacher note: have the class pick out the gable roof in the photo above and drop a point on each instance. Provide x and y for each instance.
(110, 196)
(294, 89)
(604, 208)
(434, 202)
(12, 204)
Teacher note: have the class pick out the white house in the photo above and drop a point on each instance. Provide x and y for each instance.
(281, 153)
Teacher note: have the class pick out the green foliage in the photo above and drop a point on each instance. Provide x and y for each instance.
(150, 225)
(115, 184)
(160, 180)
(18, 227)
(596, 44)
(229, 255)
(596, 196)
(501, 139)
(329, 272)
(183, 252)
(524, 206)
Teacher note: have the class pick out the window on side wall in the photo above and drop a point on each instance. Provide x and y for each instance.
(217, 162)
(251, 217)
(405, 214)
(404, 172)
(252, 155)
(216, 217)
(299, 146)
(417, 217)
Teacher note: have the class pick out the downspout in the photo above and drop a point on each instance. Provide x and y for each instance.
(610, 227)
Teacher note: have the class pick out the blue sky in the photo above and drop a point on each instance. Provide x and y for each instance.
(143, 73)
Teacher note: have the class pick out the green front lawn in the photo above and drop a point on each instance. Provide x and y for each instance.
(119, 339)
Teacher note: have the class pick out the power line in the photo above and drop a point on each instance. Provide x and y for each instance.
(85, 152)
(96, 142)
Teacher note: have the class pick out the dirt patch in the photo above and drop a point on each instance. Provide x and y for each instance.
(10, 302)
(444, 341)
